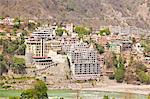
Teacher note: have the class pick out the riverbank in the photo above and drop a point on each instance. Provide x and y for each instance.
(123, 88)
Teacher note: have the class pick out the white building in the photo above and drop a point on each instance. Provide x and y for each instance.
(44, 32)
(84, 62)
(67, 42)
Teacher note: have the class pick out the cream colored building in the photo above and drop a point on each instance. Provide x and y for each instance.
(37, 47)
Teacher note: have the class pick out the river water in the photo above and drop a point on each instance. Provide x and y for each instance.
(97, 95)
(70, 94)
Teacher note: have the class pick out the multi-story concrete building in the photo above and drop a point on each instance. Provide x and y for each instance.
(126, 45)
(67, 42)
(45, 32)
(55, 45)
(43, 62)
(38, 47)
(84, 62)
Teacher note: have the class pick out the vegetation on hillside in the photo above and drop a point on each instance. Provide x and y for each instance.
(81, 31)
(60, 31)
(120, 70)
(18, 65)
(99, 48)
(146, 44)
(104, 32)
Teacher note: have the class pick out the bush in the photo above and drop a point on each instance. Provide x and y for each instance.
(111, 77)
(119, 75)
(105, 97)
(38, 92)
(1, 84)
(81, 31)
(59, 31)
(99, 48)
(6, 87)
(104, 32)
(2, 33)
(143, 77)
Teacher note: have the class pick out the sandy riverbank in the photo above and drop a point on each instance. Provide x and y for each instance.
(125, 88)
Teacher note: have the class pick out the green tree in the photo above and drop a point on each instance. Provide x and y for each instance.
(24, 33)
(11, 48)
(119, 75)
(81, 31)
(104, 32)
(17, 23)
(105, 97)
(41, 89)
(14, 31)
(1, 57)
(38, 92)
(143, 77)
(60, 31)
(120, 70)
(29, 94)
(31, 26)
(3, 67)
(21, 49)
(99, 48)
(1, 17)
(2, 33)
(18, 65)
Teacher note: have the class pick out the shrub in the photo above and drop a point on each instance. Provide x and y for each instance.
(6, 87)
(111, 77)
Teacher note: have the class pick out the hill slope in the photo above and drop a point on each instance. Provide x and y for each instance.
(89, 12)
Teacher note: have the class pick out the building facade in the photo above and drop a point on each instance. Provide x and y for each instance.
(38, 46)
(84, 62)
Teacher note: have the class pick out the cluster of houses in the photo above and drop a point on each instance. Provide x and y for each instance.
(7, 21)
(44, 49)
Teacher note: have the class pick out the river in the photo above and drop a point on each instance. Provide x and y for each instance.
(71, 94)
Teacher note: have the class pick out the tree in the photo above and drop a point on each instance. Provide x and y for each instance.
(31, 26)
(81, 31)
(99, 48)
(14, 31)
(41, 89)
(18, 65)
(24, 33)
(60, 31)
(104, 32)
(17, 23)
(105, 97)
(1, 57)
(143, 77)
(139, 66)
(120, 70)
(29, 94)
(21, 49)
(3, 67)
(119, 75)
(38, 92)
(11, 47)
(1, 17)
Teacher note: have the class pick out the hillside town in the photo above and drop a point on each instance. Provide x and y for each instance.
(69, 56)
